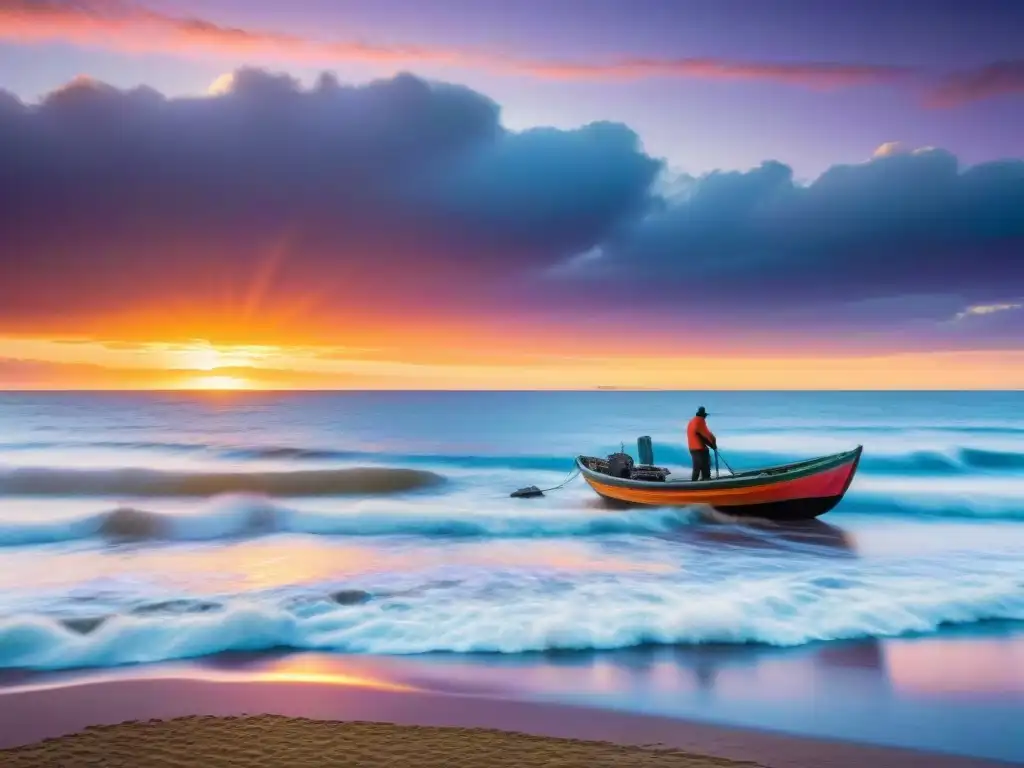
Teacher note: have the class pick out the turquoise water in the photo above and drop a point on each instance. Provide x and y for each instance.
(123, 538)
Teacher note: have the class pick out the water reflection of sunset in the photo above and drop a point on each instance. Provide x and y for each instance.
(968, 667)
(320, 670)
(246, 565)
(568, 556)
(217, 382)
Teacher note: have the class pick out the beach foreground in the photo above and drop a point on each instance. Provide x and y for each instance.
(176, 721)
(271, 740)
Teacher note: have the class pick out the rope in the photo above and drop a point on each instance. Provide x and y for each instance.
(731, 470)
(564, 483)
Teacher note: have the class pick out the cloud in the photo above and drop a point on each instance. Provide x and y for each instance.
(901, 224)
(889, 148)
(996, 79)
(980, 310)
(131, 27)
(222, 85)
(333, 201)
(813, 74)
(134, 28)
(30, 374)
(22, 373)
(401, 213)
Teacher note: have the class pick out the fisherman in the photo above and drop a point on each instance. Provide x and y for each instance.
(699, 439)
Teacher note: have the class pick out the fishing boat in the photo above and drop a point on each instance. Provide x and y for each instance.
(799, 491)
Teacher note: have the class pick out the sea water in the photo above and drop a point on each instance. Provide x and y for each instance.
(381, 523)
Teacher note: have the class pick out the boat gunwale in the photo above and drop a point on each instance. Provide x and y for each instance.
(750, 478)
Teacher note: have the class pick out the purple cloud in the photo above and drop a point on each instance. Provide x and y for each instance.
(342, 206)
(901, 224)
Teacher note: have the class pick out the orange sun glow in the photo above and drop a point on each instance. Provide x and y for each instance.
(217, 382)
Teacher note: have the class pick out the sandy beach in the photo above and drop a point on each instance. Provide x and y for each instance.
(176, 722)
(271, 740)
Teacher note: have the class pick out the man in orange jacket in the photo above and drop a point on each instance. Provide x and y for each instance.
(699, 439)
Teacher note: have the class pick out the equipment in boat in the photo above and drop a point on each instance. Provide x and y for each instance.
(619, 464)
(645, 450)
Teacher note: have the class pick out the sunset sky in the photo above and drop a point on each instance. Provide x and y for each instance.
(464, 194)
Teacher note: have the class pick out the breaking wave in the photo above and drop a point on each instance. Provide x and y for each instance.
(235, 517)
(242, 516)
(146, 482)
(594, 614)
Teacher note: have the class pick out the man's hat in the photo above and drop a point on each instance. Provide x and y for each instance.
(701, 411)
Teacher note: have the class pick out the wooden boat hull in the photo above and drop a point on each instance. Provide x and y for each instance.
(799, 491)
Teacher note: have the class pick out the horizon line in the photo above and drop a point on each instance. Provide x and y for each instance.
(180, 390)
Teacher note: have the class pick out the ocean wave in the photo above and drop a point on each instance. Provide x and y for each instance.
(969, 496)
(290, 454)
(934, 509)
(981, 459)
(36, 445)
(591, 615)
(147, 483)
(237, 517)
(893, 454)
(230, 517)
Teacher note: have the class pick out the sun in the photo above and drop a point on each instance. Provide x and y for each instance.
(201, 358)
(217, 382)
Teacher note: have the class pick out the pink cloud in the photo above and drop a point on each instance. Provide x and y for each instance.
(821, 74)
(997, 79)
(134, 28)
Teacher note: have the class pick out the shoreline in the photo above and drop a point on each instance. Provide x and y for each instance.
(31, 714)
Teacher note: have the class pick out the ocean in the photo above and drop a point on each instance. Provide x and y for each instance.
(380, 523)
(118, 512)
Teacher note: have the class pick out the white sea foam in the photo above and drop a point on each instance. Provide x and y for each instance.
(513, 614)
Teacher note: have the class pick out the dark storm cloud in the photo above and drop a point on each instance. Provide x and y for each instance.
(385, 189)
(406, 199)
(902, 224)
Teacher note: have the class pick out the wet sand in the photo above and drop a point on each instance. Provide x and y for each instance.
(337, 727)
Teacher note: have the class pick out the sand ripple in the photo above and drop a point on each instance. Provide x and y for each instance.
(270, 741)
